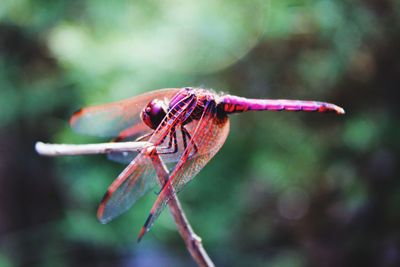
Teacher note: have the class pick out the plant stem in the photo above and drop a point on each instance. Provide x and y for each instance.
(46, 149)
(192, 241)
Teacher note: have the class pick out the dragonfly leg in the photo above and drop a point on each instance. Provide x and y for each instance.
(144, 137)
(185, 134)
(162, 140)
(169, 141)
(123, 136)
(175, 143)
(172, 140)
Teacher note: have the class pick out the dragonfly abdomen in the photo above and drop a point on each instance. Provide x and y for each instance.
(235, 104)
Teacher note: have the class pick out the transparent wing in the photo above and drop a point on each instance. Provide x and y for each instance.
(136, 180)
(122, 157)
(209, 135)
(109, 120)
(139, 176)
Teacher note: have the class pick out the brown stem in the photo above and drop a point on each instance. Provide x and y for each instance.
(192, 241)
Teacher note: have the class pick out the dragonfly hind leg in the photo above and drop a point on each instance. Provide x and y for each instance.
(185, 134)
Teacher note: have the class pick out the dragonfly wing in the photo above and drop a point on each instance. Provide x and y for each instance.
(125, 157)
(109, 120)
(209, 135)
(139, 176)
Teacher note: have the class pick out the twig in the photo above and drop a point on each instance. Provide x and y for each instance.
(46, 149)
(192, 241)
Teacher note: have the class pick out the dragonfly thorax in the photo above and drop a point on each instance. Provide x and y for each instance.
(154, 113)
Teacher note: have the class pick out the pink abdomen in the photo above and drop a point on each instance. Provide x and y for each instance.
(233, 104)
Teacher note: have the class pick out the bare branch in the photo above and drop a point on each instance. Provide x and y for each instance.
(87, 149)
(192, 241)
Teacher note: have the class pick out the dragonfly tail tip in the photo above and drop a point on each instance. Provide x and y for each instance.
(340, 111)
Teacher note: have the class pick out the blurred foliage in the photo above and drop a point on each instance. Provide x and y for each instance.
(287, 189)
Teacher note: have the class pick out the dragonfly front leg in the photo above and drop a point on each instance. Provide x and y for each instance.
(131, 132)
(172, 140)
(144, 137)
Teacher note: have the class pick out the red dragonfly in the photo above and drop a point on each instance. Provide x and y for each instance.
(186, 125)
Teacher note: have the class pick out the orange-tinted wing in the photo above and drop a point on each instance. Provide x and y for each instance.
(139, 176)
(109, 120)
(136, 180)
(209, 135)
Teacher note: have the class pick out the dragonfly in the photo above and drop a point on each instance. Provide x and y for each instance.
(187, 126)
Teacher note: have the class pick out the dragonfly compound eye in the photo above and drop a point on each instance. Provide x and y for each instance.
(153, 113)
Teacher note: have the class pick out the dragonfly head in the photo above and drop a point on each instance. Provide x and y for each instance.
(154, 113)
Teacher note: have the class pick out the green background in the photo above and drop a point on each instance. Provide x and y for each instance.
(286, 189)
